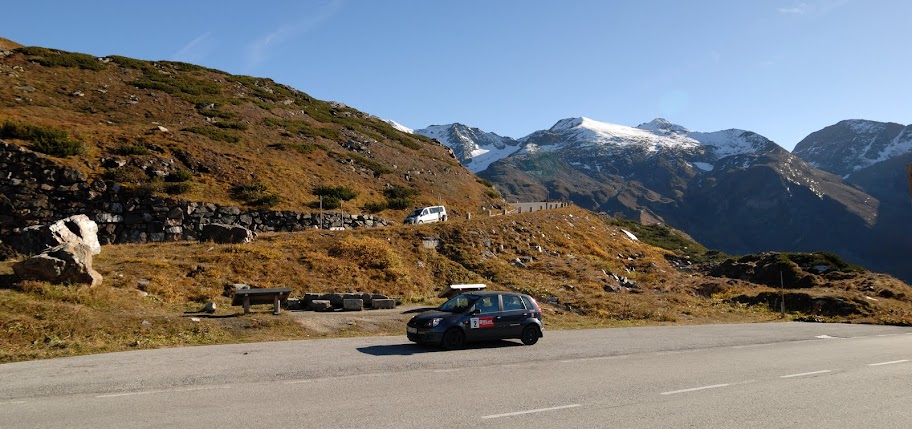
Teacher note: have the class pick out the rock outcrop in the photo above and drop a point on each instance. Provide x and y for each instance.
(74, 229)
(68, 263)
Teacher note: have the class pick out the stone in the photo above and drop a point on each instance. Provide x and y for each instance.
(68, 263)
(226, 234)
(353, 304)
(382, 304)
(232, 288)
(74, 229)
(209, 308)
(321, 305)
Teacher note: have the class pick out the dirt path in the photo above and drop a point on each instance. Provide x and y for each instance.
(354, 323)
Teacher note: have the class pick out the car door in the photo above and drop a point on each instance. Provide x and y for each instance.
(508, 323)
(481, 318)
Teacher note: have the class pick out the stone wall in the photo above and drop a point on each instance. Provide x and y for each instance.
(35, 190)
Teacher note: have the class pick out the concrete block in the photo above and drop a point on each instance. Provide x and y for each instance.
(383, 303)
(321, 305)
(353, 304)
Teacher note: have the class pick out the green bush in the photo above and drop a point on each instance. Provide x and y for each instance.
(375, 207)
(328, 203)
(214, 134)
(55, 58)
(303, 128)
(126, 174)
(399, 203)
(255, 194)
(343, 193)
(398, 192)
(230, 125)
(46, 140)
(484, 182)
(127, 149)
(179, 176)
(177, 188)
(370, 164)
(492, 193)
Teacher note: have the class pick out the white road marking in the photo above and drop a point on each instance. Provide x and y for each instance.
(804, 374)
(592, 358)
(750, 346)
(12, 402)
(446, 370)
(888, 363)
(149, 392)
(694, 389)
(297, 381)
(540, 410)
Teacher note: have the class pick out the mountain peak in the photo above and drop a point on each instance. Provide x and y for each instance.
(569, 123)
(662, 125)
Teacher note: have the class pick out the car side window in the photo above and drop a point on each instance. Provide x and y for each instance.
(512, 302)
(487, 304)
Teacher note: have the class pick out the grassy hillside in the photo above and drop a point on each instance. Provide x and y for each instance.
(566, 258)
(204, 135)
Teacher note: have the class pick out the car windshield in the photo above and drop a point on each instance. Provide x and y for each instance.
(458, 303)
(414, 213)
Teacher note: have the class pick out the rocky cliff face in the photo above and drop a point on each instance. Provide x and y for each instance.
(872, 156)
(473, 147)
(732, 190)
(854, 145)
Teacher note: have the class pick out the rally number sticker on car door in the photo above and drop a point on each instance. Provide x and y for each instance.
(482, 322)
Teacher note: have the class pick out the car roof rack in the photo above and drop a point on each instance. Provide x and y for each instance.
(453, 290)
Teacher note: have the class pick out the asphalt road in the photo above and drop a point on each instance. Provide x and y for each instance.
(784, 375)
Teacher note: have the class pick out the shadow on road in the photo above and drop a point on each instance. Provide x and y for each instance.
(412, 349)
(419, 310)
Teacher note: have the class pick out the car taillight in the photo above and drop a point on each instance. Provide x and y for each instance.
(537, 308)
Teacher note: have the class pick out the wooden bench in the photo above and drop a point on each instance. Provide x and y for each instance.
(248, 297)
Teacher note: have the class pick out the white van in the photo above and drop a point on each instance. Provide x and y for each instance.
(426, 214)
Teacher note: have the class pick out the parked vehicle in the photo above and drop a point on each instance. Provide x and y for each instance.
(478, 316)
(426, 214)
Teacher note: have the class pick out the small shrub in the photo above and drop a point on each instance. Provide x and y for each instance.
(327, 203)
(177, 188)
(127, 149)
(399, 203)
(179, 176)
(492, 193)
(400, 192)
(255, 194)
(126, 174)
(55, 58)
(214, 134)
(375, 207)
(230, 125)
(399, 197)
(484, 182)
(370, 164)
(46, 140)
(343, 193)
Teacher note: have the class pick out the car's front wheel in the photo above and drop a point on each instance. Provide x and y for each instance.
(530, 335)
(453, 339)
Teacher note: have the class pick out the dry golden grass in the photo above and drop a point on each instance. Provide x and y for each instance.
(566, 274)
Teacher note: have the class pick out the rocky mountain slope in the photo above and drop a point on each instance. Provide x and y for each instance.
(872, 156)
(732, 190)
(473, 147)
(160, 130)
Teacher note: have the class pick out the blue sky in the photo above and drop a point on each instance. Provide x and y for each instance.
(781, 68)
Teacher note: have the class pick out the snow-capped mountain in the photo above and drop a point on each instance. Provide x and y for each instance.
(474, 148)
(853, 145)
(703, 149)
(399, 126)
(733, 190)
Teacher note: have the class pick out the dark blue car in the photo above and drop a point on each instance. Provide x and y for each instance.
(478, 316)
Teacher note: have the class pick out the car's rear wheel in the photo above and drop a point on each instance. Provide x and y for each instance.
(453, 339)
(530, 335)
